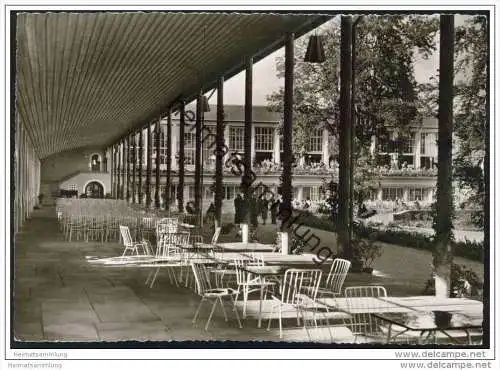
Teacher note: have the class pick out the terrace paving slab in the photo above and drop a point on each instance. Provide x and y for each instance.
(71, 332)
(61, 295)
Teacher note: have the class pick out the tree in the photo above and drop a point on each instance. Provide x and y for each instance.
(443, 226)
(386, 92)
(471, 52)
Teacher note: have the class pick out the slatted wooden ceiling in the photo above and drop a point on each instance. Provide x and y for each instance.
(84, 79)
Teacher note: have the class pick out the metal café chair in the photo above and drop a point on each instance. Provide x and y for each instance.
(207, 293)
(298, 290)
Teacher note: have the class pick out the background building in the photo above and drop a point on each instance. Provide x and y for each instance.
(409, 175)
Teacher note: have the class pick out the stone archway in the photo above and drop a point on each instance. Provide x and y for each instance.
(94, 189)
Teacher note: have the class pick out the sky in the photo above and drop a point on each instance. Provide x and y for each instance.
(265, 81)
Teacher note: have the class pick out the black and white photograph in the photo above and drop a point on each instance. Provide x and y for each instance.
(316, 181)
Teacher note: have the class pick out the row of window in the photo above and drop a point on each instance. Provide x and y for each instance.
(312, 193)
(397, 193)
(428, 144)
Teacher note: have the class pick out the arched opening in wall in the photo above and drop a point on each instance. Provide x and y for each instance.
(95, 163)
(94, 189)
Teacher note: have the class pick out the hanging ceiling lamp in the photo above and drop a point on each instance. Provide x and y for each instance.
(315, 52)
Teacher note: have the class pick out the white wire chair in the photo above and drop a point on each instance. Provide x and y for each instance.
(247, 284)
(96, 229)
(207, 293)
(171, 251)
(131, 245)
(298, 290)
(335, 279)
(362, 322)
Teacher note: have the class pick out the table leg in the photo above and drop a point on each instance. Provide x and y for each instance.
(260, 305)
(389, 332)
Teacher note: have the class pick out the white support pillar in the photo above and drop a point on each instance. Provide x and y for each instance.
(324, 147)
(144, 150)
(175, 140)
(253, 144)
(300, 193)
(226, 141)
(276, 146)
(418, 143)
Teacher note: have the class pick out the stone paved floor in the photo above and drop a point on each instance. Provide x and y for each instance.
(60, 296)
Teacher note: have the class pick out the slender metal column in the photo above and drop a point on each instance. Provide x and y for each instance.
(219, 153)
(158, 137)
(124, 168)
(443, 255)
(180, 186)
(168, 182)
(345, 132)
(197, 160)
(247, 139)
(119, 171)
(128, 168)
(113, 171)
(134, 161)
(286, 188)
(148, 165)
(141, 155)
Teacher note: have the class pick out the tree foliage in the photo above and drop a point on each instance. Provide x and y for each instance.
(471, 47)
(386, 92)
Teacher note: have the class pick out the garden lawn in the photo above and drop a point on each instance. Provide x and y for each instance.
(402, 270)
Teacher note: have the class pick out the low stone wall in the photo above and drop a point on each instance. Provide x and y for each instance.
(413, 215)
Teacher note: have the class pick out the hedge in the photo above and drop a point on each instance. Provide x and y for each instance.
(467, 249)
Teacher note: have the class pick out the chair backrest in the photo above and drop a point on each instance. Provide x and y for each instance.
(362, 320)
(167, 227)
(148, 223)
(256, 259)
(215, 237)
(169, 244)
(337, 275)
(298, 282)
(241, 274)
(202, 277)
(125, 233)
(196, 239)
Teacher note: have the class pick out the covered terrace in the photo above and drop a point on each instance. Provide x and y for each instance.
(106, 80)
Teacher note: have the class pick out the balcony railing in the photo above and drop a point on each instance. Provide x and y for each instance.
(311, 170)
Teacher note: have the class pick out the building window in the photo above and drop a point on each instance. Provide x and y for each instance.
(316, 141)
(311, 192)
(208, 143)
(386, 145)
(95, 163)
(236, 137)
(191, 192)
(228, 192)
(408, 144)
(392, 193)
(189, 147)
(416, 194)
(264, 139)
(163, 147)
(428, 148)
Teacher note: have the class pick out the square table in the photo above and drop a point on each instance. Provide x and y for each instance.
(291, 259)
(245, 247)
(431, 322)
(264, 271)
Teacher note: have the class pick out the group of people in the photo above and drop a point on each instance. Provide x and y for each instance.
(255, 207)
